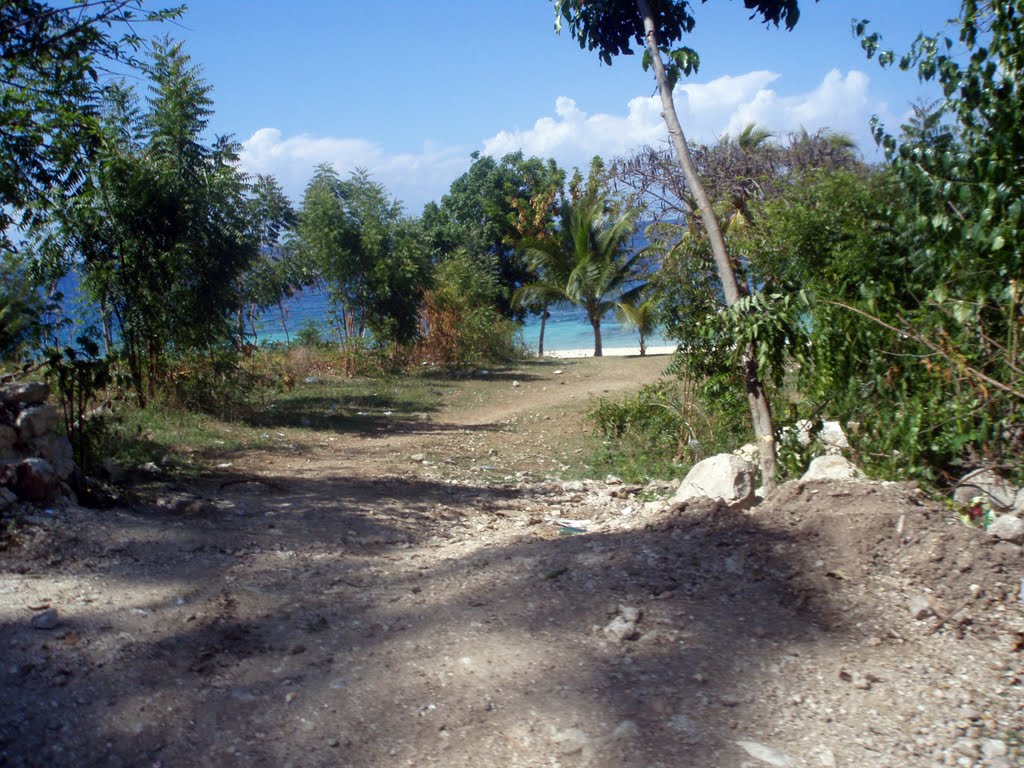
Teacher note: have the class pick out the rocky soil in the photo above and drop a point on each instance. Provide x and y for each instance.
(434, 594)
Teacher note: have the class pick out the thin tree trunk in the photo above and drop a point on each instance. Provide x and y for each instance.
(760, 409)
(284, 324)
(643, 345)
(543, 322)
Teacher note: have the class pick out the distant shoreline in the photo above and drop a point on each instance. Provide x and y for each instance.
(609, 352)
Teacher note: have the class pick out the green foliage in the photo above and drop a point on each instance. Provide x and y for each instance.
(311, 335)
(21, 308)
(644, 316)
(161, 232)
(643, 436)
(463, 322)
(48, 89)
(369, 255)
(913, 273)
(488, 210)
(276, 272)
(214, 382)
(612, 27)
(80, 374)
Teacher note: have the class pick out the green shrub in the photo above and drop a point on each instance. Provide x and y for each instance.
(461, 316)
(645, 435)
(311, 335)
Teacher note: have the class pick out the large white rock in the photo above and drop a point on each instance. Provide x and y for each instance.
(57, 450)
(831, 435)
(37, 420)
(832, 468)
(27, 392)
(726, 477)
(1008, 528)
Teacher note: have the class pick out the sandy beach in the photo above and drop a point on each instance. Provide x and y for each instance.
(612, 352)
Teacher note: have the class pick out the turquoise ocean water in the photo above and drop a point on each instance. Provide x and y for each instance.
(567, 328)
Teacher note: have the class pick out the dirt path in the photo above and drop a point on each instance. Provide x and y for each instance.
(410, 599)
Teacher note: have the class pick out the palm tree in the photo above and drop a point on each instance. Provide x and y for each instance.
(644, 317)
(587, 262)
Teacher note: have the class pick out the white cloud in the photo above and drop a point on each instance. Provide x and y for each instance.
(414, 178)
(572, 136)
(707, 111)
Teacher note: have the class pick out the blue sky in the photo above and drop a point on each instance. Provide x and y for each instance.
(409, 88)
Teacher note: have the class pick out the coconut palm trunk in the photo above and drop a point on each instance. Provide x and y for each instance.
(595, 323)
(757, 398)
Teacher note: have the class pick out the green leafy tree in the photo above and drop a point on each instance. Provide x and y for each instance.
(21, 308)
(488, 210)
(460, 313)
(49, 109)
(612, 27)
(956, 312)
(162, 230)
(326, 237)
(276, 272)
(370, 255)
(588, 262)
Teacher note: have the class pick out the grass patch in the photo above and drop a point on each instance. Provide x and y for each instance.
(186, 442)
(643, 436)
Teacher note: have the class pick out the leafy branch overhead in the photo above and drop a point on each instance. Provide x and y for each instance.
(613, 27)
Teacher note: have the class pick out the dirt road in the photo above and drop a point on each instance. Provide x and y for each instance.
(422, 596)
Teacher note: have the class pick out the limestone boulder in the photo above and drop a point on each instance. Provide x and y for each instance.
(34, 479)
(37, 421)
(1007, 528)
(8, 438)
(7, 499)
(726, 477)
(57, 450)
(832, 468)
(25, 392)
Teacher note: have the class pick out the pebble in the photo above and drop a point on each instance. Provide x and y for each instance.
(620, 629)
(993, 748)
(571, 741)
(766, 754)
(920, 608)
(48, 619)
(626, 729)
(967, 748)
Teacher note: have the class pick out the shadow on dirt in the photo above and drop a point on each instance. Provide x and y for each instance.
(343, 623)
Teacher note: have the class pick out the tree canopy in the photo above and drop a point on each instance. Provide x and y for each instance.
(51, 54)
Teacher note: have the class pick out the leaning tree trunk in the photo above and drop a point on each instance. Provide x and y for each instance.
(760, 410)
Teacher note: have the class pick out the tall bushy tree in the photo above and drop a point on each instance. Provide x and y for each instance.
(369, 255)
(488, 210)
(953, 320)
(276, 272)
(162, 231)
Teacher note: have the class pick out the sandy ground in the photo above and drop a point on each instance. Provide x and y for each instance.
(569, 354)
(434, 594)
